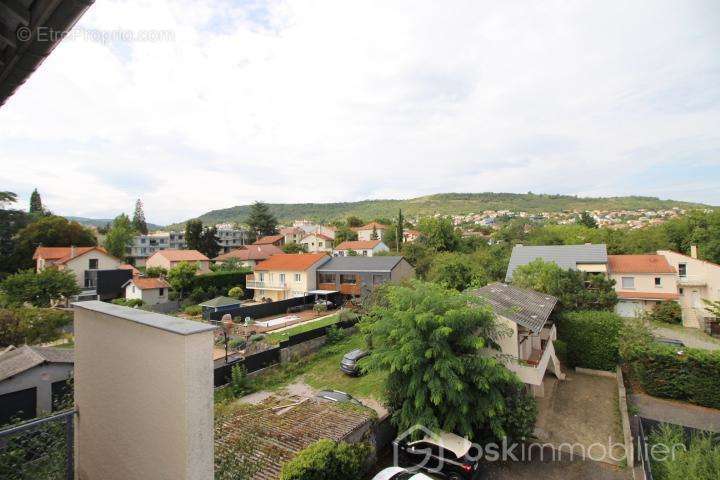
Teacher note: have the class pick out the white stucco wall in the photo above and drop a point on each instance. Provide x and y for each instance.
(79, 265)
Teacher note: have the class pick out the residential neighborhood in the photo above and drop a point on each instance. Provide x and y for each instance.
(359, 241)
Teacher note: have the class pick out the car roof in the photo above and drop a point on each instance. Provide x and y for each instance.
(334, 394)
(449, 441)
(355, 354)
(388, 473)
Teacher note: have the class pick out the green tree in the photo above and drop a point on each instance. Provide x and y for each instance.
(432, 342)
(399, 230)
(36, 205)
(39, 289)
(138, 220)
(193, 234)
(456, 271)
(182, 277)
(120, 236)
(155, 272)
(261, 220)
(712, 307)
(587, 220)
(209, 245)
(327, 460)
(236, 292)
(439, 234)
(11, 221)
(344, 234)
(31, 325)
(293, 247)
(50, 231)
(354, 222)
(374, 233)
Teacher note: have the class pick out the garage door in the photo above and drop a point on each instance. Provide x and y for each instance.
(20, 405)
(627, 308)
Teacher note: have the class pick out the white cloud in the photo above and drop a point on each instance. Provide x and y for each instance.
(329, 100)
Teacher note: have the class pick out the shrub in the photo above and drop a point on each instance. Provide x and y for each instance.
(128, 302)
(237, 343)
(193, 310)
(221, 281)
(319, 308)
(236, 292)
(592, 338)
(700, 460)
(239, 381)
(635, 339)
(257, 337)
(667, 312)
(334, 334)
(155, 272)
(31, 325)
(560, 350)
(688, 374)
(327, 460)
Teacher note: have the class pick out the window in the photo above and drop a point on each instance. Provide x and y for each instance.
(161, 292)
(681, 291)
(658, 282)
(378, 279)
(364, 253)
(327, 278)
(347, 279)
(282, 279)
(628, 282)
(682, 269)
(261, 277)
(93, 264)
(297, 277)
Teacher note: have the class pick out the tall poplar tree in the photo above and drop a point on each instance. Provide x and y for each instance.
(400, 230)
(35, 202)
(138, 220)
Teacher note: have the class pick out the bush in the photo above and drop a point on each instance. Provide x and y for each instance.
(635, 339)
(700, 460)
(240, 384)
(592, 339)
(236, 292)
(689, 374)
(193, 310)
(327, 460)
(155, 272)
(221, 282)
(257, 337)
(334, 334)
(31, 325)
(128, 302)
(667, 312)
(560, 350)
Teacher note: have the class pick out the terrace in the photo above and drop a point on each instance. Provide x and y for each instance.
(264, 284)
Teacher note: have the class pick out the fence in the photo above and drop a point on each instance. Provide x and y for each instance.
(38, 449)
(263, 309)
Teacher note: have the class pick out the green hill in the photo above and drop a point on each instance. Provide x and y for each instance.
(443, 203)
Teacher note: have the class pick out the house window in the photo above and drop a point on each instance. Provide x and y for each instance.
(161, 292)
(297, 277)
(364, 253)
(261, 277)
(93, 264)
(378, 279)
(133, 289)
(327, 278)
(628, 282)
(681, 291)
(282, 279)
(682, 269)
(347, 279)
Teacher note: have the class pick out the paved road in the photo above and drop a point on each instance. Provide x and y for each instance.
(680, 413)
(690, 337)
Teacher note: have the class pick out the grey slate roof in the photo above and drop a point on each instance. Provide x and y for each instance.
(360, 264)
(221, 302)
(14, 361)
(528, 308)
(565, 256)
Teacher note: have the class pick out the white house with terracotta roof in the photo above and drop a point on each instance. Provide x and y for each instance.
(366, 248)
(292, 234)
(697, 280)
(168, 259)
(317, 242)
(366, 231)
(82, 261)
(285, 275)
(642, 281)
(249, 255)
(150, 290)
(410, 235)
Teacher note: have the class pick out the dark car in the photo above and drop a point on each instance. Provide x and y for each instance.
(349, 362)
(670, 341)
(337, 396)
(445, 455)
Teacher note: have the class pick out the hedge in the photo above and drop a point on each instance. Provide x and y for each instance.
(222, 281)
(591, 338)
(688, 374)
(327, 460)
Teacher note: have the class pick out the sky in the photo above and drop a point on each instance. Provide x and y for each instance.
(198, 105)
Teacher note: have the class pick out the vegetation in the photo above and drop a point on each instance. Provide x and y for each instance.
(458, 271)
(276, 337)
(138, 222)
(240, 384)
(36, 205)
(431, 341)
(182, 277)
(128, 302)
(700, 460)
(327, 460)
(293, 247)
(236, 292)
(667, 312)
(193, 310)
(261, 220)
(120, 236)
(20, 326)
(155, 272)
(39, 289)
(591, 339)
(193, 234)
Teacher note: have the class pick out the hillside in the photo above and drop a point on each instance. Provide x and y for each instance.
(444, 203)
(101, 222)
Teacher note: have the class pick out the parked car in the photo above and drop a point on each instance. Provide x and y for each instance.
(670, 341)
(446, 455)
(349, 362)
(399, 473)
(330, 305)
(337, 396)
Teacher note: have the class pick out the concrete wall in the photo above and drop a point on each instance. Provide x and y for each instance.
(403, 270)
(702, 281)
(41, 378)
(509, 344)
(144, 395)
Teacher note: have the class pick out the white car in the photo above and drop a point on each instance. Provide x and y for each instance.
(399, 473)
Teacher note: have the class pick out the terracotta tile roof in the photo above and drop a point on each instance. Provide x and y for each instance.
(181, 255)
(127, 266)
(371, 225)
(647, 296)
(60, 255)
(319, 235)
(251, 252)
(269, 239)
(278, 435)
(358, 244)
(148, 283)
(291, 231)
(639, 264)
(291, 261)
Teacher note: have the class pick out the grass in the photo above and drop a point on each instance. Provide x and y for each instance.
(277, 337)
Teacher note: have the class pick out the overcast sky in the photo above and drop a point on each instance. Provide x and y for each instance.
(320, 101)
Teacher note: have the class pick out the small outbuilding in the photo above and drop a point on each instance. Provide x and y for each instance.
(151, 291)
(220, 304)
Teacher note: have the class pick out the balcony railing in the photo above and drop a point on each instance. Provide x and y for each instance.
(251, 283)
(692, 280)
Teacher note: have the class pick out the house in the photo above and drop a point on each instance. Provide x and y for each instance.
(86, 263)
(590, 258)
(285, 275)
(371, 231)
(277, 240)
(249, 255)
(697, 280)
(365, 248)
(33, 381)
(317, 242)
(169, 259)
(292, 234)
(530, 345)
(641, 281)
(126, 266)
(150, 290)
(358, 275)
(220, 304)
(410, 235)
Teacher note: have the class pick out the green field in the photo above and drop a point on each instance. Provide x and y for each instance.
(277, 337)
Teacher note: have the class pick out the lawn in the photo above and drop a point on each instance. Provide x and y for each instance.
(277, 337)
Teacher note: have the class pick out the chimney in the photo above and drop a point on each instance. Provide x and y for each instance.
(693, 251)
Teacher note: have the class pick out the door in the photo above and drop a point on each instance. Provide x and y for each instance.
(696, 303)
(627, 308)
(20, 405)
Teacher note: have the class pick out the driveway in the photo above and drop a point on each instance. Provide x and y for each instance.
(680, 413)
(689, 336)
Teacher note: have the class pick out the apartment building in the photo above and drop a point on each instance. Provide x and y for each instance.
(144, 246)
(230, 237)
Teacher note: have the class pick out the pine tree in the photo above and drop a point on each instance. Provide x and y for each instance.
(399, 235)
(138, 220)
(209, 242)
(35, 202)
(261, 221)
(193, 234)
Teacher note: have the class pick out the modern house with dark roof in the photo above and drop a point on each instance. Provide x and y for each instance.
(33, 381)
(357, 276)
(589, 257)
(524, 314)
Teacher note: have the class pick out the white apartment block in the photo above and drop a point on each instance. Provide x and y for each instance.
(144, 246)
